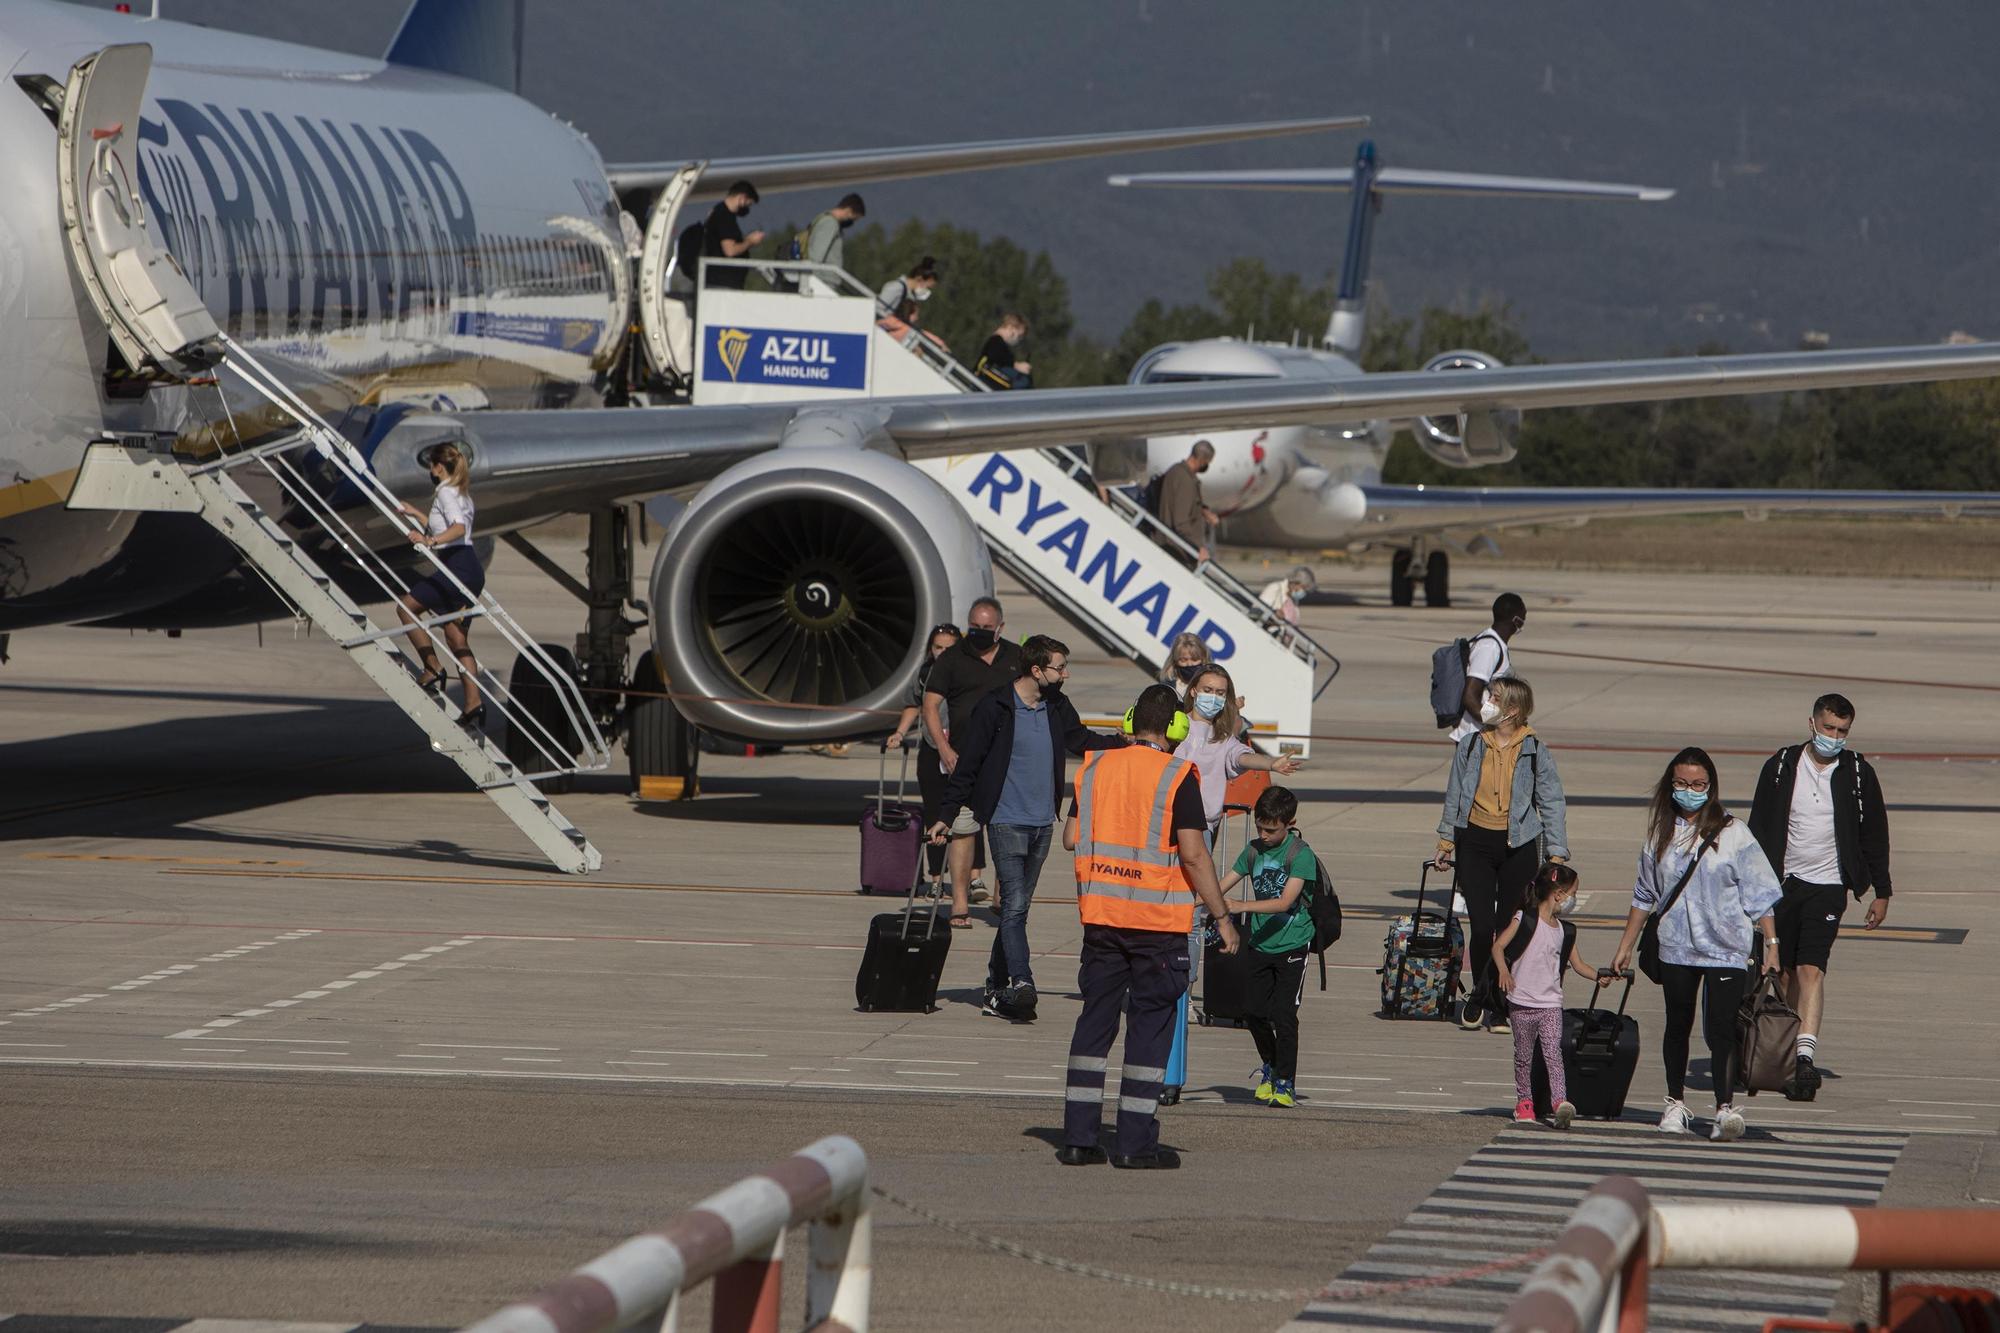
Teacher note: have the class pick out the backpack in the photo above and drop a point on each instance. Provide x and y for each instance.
(687, 250)
(797, 249)
(1322, 903)
(1448, 680)
(1149, 499)
(1531, 920)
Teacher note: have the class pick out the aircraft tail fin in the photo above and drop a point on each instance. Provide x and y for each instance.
(474, 39)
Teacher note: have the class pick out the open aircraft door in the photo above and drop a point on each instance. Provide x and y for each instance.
(153, 312)
(666, 317)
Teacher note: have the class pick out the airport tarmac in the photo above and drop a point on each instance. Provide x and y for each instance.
(311, 1026)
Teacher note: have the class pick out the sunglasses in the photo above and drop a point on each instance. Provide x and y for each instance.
(952, 630)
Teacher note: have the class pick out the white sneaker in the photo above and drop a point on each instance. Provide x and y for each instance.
(1675, 1119)
(1728, 1125)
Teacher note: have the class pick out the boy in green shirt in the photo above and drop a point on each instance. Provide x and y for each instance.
(1278, 865)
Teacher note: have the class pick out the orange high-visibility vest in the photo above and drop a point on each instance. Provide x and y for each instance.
(1128, 869)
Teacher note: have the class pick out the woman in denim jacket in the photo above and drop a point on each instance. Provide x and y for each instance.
(1503, 815)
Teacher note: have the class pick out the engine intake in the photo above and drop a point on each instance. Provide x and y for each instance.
(796, 593)
(1474, 439)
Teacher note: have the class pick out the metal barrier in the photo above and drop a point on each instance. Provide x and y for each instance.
(736, 1237)
(1594, 1279)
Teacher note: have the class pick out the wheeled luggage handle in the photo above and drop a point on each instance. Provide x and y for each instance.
(882, 780)
(1607, 974)
(1395, 1004)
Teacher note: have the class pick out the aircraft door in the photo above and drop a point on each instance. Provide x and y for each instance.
(665, 315)
(153, 312)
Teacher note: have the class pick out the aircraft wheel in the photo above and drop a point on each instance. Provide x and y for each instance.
(534, 696)
(659, 742)
(1402, 589)
(1437, 579)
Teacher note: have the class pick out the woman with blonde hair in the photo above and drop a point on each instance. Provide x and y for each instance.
(1215, 745)
(447, 530)
(1186, 656)
(1502, 802)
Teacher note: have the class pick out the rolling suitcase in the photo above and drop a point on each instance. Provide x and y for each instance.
(892, 834)
(1224, 979)
(1420, 961)
(1600, 1054)
(899, 967)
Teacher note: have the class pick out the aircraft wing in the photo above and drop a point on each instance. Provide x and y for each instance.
(1404, 511)
(1390, 180)
(540, 463)
(847, 168)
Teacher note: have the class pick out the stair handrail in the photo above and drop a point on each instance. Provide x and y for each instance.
(353, 468)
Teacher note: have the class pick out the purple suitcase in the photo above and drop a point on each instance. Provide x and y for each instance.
(891, 835)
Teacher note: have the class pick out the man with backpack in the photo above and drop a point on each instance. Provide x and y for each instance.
(1280, 868)
(1463, 668)
(1175, 499)
(723, 238)
(825, 241)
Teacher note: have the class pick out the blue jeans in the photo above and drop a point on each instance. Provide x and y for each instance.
(1017, 852)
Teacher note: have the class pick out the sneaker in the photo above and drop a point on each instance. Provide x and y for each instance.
(1282, 1094)
(1496, 1021)
(1261, 1077)
(1524, 1111)
(1016, 1002)
(977, 892)
(1470, 1012)
(1674, 1120)
(1170, 1095)
(1803, 1085)
(1728, 1125)
(1564, 1113)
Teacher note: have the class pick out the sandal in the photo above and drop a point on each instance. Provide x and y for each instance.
(962, 922)
(431, 682)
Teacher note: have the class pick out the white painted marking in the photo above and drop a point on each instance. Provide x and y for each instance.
(427, 1057)
(297, 1041)
(661, 1063)
(471, 1046)
(724, 944)
(930, 1073)
(531, 1059)
(908, 1060)
(223, 1023)
(1935, 1115)
(335, 985)
(389, 967)
(223, 1050)
(739, 1055)
(413, 958)
(50, 1045)
(183, 1036)
(309, 995)
(333, 1054)
(436, 948)
(279, 1004)
(251, 1013)
(362, 976)
(1048, 1078)
(1910, 1101)
(796, 1069)
(1423, 1094)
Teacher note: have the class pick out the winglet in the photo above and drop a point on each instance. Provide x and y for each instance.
(474, 39)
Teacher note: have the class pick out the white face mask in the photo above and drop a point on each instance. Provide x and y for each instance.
(1489, 712)
(920, 293)
(1564, 906)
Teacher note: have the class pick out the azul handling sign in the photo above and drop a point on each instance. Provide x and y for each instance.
(813, 360)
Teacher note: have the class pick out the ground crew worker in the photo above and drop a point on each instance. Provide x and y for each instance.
(1138, 829)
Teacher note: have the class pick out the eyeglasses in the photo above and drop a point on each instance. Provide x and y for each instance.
(1690, 786)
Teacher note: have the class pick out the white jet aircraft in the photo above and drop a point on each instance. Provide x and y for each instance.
(416, 254)
(1316, 484)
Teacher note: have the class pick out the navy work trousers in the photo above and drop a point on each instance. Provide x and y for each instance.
(1142, 974)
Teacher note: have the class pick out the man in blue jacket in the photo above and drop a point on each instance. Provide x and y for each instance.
(1009, 777)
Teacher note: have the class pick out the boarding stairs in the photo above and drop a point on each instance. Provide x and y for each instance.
(326, 492)
(1106, 563)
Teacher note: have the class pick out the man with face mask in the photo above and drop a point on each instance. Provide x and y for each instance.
(1489, 659)
(980, 663)
(1180, 507)
(1008, 775)
(722, 234)
(826, 239)
(1819, 817)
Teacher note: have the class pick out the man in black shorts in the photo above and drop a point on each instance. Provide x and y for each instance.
(977, 665)
(1819, 817)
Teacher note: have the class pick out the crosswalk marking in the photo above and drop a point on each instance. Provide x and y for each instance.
(1514, 1196)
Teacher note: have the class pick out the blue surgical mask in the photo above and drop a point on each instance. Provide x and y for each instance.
(1208, 705)
(1828, 746)
(1690, 800)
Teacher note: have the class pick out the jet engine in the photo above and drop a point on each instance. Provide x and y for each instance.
(795, 595)
(1473, 439)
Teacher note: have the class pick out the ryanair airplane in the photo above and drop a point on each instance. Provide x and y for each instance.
(422, 255)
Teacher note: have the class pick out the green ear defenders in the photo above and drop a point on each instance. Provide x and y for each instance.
(1177, 730)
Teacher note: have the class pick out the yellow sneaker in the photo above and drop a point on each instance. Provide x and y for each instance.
(1281, 1095)
(1263, 1076)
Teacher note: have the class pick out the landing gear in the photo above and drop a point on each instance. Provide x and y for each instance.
(1437, 576)
(551, 736)
(659, 742)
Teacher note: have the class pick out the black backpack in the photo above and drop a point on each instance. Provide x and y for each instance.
(1149, 499)
(1323, 904)
(687, 250)
(1531, 919)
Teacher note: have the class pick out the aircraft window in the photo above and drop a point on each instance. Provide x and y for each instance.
(1189, 377)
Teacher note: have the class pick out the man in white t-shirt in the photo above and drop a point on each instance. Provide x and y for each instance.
(1489, 659)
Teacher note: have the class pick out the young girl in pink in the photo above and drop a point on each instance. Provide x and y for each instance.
(1528, 962)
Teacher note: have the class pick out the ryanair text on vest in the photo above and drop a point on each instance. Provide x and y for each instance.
(1092, 555)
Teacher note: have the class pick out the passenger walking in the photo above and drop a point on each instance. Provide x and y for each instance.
(1215, 744)
(1009, 773)
(1180, 508)
(1489, 659)
(917, 285)
(1141, 864)
(1278, 865)
(962, 676)
(998, 363)
(1705, 881)
(1186, 656)
(1283, 595)
(930, 777)
(446, 529)
(1819, 817)
(825, 241)
(1528, 959)
(1504, 813)
(722, 235)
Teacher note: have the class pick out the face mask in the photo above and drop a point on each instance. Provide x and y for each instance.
(1690, 800)
(742, 212)
(1828, 746)
(1208, 705)
(1051, 688)
(920, 293)
(979, 638)
(845, 223)
(1565, 905)
(1189, 673)
(1489, 713)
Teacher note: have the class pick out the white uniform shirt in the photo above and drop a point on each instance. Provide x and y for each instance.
(450, 505)
(1810, 853)
(1488, 661)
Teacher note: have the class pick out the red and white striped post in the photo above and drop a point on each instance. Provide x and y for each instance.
(735, 1236)
(1572, 1289)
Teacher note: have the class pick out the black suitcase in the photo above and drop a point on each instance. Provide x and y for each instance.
(1225, 978)
(900, 966)
(1600, 1054)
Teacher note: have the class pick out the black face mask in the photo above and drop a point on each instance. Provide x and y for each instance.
(742, 212)
(979, 639)
(1191, 673)
(1051, 689)
(845, 223)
